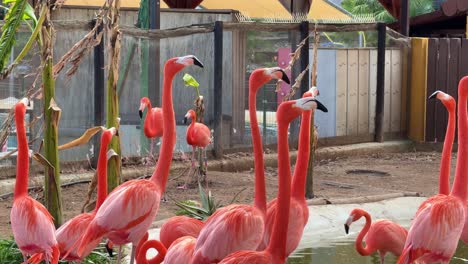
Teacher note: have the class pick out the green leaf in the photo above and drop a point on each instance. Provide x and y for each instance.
(189, 80)
(29, 14)
(12, 22)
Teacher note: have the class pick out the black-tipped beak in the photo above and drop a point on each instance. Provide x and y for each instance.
(185, 120)
(197, 62)
(284, 77)
(321, 107)
(116, 133)
(140, 113)
(346, 228)
(433, 95)
(109, 250)
(29, 103)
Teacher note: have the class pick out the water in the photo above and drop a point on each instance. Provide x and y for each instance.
(344, 252)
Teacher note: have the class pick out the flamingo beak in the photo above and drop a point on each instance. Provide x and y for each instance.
(320, 106)
(109, 249)
(285, 77)
(346, 228)
(140, 113)
(348, 223)
(197, 62)
(434, 95)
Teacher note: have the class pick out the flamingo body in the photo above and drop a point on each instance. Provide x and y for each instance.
(181, 251)
(198, 135)
(231, 228)
(434, 234)
(33, 228)
(153, 124)
(386, 236)
(70, 232)
(177, 227)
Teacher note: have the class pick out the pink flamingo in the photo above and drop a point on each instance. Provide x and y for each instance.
(181, 251)
(31, 223)
(128, 211)
(70, 232)
(153, 125)
(382, 235)
(179, 226)
(276, 249)
(298, 205)
(435, 231)
(239, 227)
(198, 135)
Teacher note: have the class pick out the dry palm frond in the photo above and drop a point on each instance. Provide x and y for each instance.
(87, 135)
(313, 75)
(296, 85)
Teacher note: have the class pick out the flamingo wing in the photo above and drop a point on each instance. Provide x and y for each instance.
(157, 121)
(71, 232)
(33, 227)
(181, 250)
(435, 231)
(179, 226)
(201, 135)
(125, 215)
(387, 236)
(231, 228)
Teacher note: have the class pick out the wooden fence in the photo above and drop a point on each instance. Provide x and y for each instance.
(446, 65)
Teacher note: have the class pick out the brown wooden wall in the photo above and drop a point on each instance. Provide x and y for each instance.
(446, 65)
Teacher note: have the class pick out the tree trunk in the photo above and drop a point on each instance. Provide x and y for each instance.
(52, 192)
(114, 38)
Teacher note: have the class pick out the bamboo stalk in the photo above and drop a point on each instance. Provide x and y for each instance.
(52, 192)
(114, 41)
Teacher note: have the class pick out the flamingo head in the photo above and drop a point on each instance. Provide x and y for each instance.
(108, 134)
(463, 87)
(190, 115)
(176, 64)
(447, 100)
(144, 102)
(22, 105)
(310, 103)
(263, 75)
(353, 216)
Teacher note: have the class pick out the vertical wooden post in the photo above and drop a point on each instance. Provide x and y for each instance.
(218, 89)
(99, 84)
(379, 107)
(304, 29)
(405, 18)
(154, 54)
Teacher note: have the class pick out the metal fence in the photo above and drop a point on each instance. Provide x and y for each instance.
(347, 79)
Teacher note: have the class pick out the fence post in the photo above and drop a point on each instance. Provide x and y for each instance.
(380, 96)
(218, 89)
(304, 29)
(404, 18)
(99, 84)
(154, 54)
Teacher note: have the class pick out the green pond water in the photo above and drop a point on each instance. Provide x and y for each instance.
(343, 252)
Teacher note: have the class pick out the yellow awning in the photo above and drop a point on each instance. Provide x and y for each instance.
(321, 9)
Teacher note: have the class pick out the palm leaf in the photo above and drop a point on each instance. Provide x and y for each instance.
(12, 22)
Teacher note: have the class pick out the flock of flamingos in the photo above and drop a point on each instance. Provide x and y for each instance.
(238, 233)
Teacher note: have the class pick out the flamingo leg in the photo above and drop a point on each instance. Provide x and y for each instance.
(25, 259)
(184, 187)
(119, 254)
(382, 258)
(206, 166)
(132, 255)
(152, 148)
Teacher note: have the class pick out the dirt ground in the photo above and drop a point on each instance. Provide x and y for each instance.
(340, 178)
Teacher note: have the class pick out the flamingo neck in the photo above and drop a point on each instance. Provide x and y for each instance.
(102, 172)
(259, 167)
(277, 245)
(364, 251)
(302, 161)
(460, 183)
(163, 166)
(22, 160)
(444, 176)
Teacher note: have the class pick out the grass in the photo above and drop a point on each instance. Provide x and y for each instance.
(9, 253)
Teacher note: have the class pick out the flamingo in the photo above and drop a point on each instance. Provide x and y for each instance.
(444, 174)
(438, 224)
(31, 223)
(298, 211)
(198, 135)
(237, 226)
(275, 252)
(179, 226)
(152, 126)
(128, 211)
(382, 235)
(70, 232)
